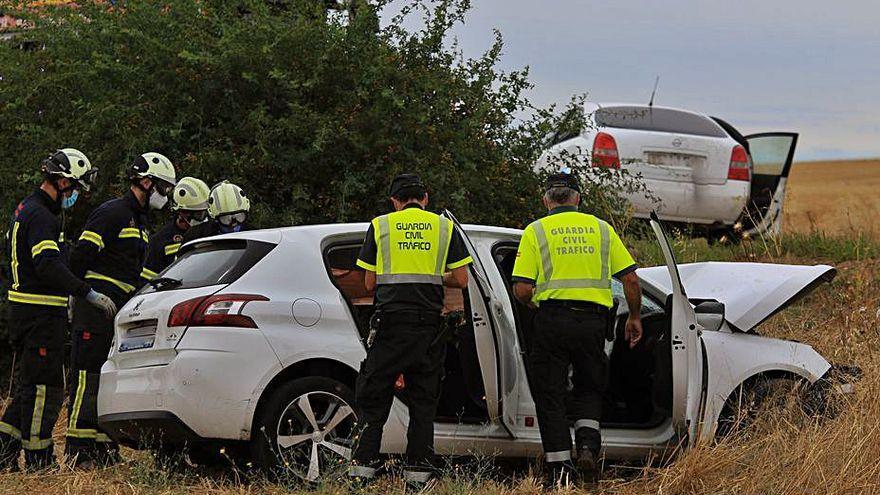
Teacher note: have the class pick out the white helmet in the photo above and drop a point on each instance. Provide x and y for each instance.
(154, 166)
(71, 164)
(191, 194)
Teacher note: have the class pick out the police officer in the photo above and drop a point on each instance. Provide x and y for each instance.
(190, 207)
(109, 255)
(405, 254)
(564, 267)
(228, 207)
(41, 284)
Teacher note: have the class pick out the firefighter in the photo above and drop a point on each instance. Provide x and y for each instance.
(109, 255)
(190, 207)
(228, 207)
(563, 267)
(406, 255)
(41, 284)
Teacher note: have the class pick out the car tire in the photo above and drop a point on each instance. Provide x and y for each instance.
(747, 401)
(305, 430)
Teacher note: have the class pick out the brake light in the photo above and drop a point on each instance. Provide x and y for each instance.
(739, 164)
(605, 151)
(214, 311)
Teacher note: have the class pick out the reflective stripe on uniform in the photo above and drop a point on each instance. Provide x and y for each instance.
(604, 282)
(118, 283)
(558, 456)
(148, 274)
(385, 243)
(102, 438)
(172, 249)
(10, 430)
(35, 442)
(443, 247)
(586, 423)
(42, 246)
(82, 433)
(41, 299)
(361, 472)
(133, 233)
(93, 237)
(15, 255)
(408, 278)
(77, 404)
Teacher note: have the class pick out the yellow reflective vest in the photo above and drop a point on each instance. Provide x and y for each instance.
(570, 255)
(412, 247)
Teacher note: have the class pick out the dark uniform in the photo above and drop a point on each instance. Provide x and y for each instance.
(162, 250)
(109, 255)
(409, 250)
(41, 283)
(570, 258)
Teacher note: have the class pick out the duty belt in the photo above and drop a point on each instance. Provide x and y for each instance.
(583, 306)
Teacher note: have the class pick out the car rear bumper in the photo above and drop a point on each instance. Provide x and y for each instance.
(692, 203)
(148, 429)
(209, 388)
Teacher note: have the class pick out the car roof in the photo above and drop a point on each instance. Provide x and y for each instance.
(279, 234)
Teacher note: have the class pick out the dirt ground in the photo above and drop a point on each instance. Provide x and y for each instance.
(836, 197)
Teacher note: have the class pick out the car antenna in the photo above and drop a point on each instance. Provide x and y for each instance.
(654, 92)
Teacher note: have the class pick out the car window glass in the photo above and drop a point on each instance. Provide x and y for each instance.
(649, 306)
(214, 263)
(769, 154)
(657, 119)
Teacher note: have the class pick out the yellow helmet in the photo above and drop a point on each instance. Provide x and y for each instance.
(227, 199)
(154, 166)
(71, 164)
(191, 194)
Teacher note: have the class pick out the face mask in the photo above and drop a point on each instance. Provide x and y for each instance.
(157, 201)
(67, 203)
(226, 230)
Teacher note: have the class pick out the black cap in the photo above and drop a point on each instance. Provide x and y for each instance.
(410, 183)
(562, 180)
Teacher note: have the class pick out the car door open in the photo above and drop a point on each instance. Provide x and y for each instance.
(496, 347)
(772, 155)
(687, 355)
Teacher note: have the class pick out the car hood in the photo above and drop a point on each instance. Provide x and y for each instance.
(751, 292)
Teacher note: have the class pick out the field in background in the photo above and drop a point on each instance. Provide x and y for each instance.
(836, 197)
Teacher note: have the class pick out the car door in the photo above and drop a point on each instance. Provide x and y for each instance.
(772, 154)
(495, 334)
(687, 353)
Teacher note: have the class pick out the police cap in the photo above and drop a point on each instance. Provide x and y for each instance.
(562, 179)
(407, 185)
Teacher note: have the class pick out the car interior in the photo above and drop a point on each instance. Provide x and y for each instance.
(463, 396)
(639, 393)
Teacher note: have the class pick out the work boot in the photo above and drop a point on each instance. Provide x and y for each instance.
(9, 451)
(416, 480)
(588, 466)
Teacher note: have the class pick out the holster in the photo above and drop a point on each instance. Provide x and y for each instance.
(375, 326)
(611, 324)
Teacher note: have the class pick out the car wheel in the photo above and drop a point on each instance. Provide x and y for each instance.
(748, 400)
(306, 429)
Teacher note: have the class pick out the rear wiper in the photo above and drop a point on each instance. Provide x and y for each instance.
(164, 282)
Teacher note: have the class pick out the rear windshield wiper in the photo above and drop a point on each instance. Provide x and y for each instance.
(165, 282)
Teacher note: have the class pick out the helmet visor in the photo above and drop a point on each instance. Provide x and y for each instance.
(197, 215)
(232, 219)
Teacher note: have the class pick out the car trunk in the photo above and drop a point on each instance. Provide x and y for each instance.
(143, 334)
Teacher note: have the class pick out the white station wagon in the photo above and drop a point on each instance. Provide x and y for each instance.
(253, 341)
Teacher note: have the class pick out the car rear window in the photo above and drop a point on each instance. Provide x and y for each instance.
(217, 262)
(657, 119)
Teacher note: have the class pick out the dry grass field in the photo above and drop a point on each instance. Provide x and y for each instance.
(835, 197)
(786, 452)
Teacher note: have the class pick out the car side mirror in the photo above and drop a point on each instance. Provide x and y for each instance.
(710, 315)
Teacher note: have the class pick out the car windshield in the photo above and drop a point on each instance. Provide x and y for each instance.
(212, 263)
(643, 118)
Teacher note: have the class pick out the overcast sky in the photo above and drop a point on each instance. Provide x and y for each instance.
(803, 65)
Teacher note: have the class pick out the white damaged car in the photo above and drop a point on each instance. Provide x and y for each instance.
(252, 341)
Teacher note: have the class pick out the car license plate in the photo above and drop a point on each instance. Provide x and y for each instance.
(679, 160)
(138, 338)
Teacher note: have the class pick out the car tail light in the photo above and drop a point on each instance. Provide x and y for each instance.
(214, 311)
(605, 151)
(739, 164)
